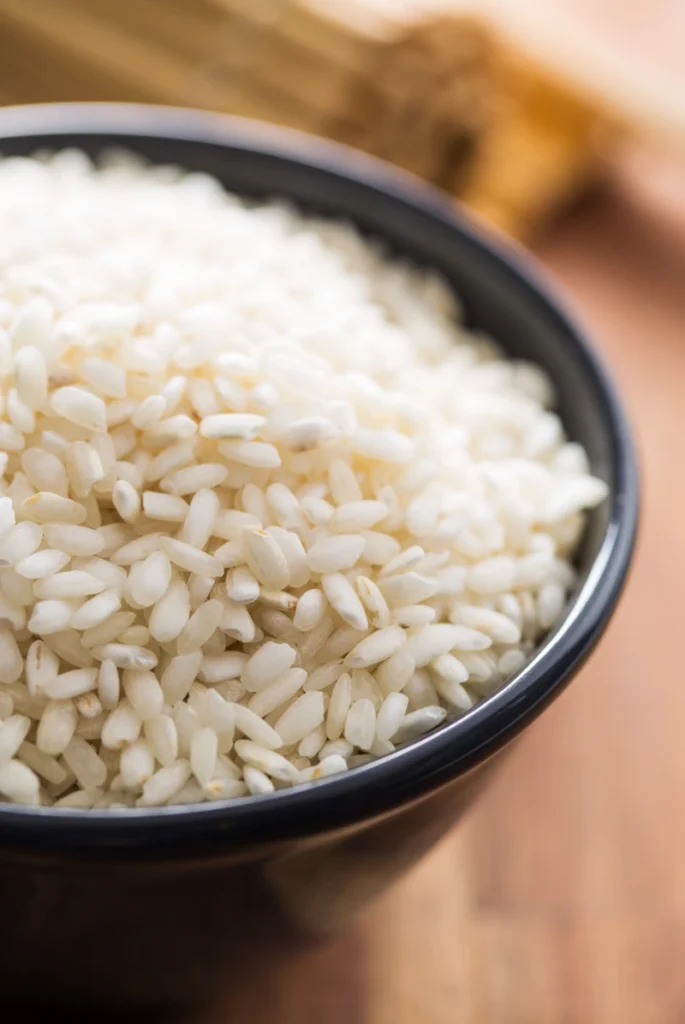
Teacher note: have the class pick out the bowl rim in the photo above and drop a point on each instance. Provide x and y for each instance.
(407, 775)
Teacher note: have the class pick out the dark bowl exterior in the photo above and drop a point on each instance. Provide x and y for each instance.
(161, 906)
(130, 933)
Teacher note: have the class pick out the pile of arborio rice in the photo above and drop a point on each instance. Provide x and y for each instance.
(267, 510)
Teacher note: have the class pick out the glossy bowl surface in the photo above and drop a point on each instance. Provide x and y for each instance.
(391, 799)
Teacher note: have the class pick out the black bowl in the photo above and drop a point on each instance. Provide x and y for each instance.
(163, 904)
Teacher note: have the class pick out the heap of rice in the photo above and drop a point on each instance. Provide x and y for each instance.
(267, 510)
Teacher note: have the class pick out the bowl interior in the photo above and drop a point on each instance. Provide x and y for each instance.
(493, 298)
(501, 295)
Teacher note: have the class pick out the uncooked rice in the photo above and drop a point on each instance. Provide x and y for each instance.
(267, 510)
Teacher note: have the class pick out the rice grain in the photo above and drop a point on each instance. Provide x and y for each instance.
(334, 554)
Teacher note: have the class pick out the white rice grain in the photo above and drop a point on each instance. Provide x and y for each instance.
(223, 789)
(13, 732)
(105, 377)
(377, 647)
(285, 507)
(19, 542)
(137, 765)
(171, 613)
(65, 585)
(255, 728)
(394, 674)
(80, 799)
(324, 675)
(266, 664)
(303, 716)
(18, 783)
(418, 723)
(11, 661)
(391, 715)
(266, 559)
(235, 426)
(339, 705)
(257, 782)
(45, 471)
(357, 515)
(360, 724)
(294, 553)
(310, 746)
(67, 644)
(497, 626)
(108, 630)
(343, 484)
(20, 415)
(84, 468)
(41, 564)
(166, 507)
(88, 767)
(46, 507)
(56, 727)
(242, 586)
(165, 784)
(334, 554)
(40, 668)
(410, 615)
(199, 589)
(200, 627)
(337, 748)
(149, 580)
(162, 737)
(550, 604)
(121, 728)
(143, 692)
(449, 668)
(343, 599)
(179, 675)
(80, 407)
(31, 376)
(331, 765)
(454, 693)
(190, 479)
(199, 523)
(372, 597)
(190, 558)
(126, 501)
(89, 706)
(237, 622)
(431, 641)
(278, 692)
(267, 761)
(126, 656)
(311, 608)
(74, 540)
(42, 764)
(203, 754)
(72, 684)
(407, 588)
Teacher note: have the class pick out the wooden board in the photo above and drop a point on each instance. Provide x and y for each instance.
(312, 64)
(500, 106)
(561, 900)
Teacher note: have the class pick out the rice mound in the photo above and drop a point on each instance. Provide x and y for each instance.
(268, 510)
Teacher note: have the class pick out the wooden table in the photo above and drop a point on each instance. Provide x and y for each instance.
(561, 900)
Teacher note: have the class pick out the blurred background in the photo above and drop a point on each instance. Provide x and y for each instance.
(561, 900)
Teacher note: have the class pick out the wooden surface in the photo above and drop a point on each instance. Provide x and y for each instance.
(561, 900)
